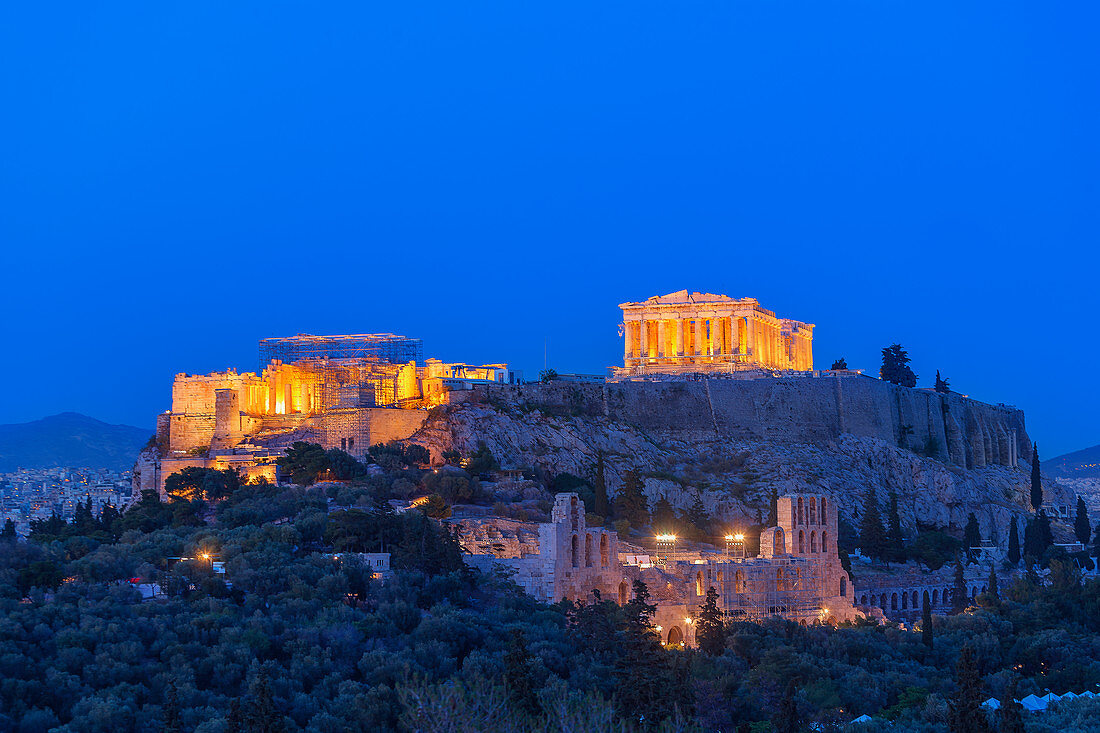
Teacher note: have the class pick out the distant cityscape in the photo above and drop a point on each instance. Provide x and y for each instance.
(37, 493)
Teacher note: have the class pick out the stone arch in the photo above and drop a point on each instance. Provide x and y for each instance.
(801, 541)
(587, 550)
(699, 583)
(904, 601)
(780, 579)
(935, 596)
(675, 636)
(821, 515)
(882, 602)
(863, 600)
(925, 598)
(605, 550)
(576, 559)
(914, 600)
(843, 586)
(720, 578)
(738, 581)
(801, 516)
(622, 593)
(813, 511)
(893, 601)
(573, 514)
(813, 542)
(824, 542)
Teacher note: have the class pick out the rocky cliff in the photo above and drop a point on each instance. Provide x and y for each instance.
(731, 441)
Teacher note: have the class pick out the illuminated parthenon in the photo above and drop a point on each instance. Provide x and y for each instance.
(686, 332)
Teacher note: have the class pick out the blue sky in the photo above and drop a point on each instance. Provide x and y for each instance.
(180, 180)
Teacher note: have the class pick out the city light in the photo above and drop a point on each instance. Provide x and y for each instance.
(666, 538)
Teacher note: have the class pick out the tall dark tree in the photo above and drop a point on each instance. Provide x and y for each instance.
(895, 366)
(630, 502)
(773, 508)
(1013, 543)
(1044, 538)
(926, 622)
(8, 532)
(1010, 716)
(1081, 528)
(696, 519)
(519, 680)
(840, 363)
(1030, 548)
(786, 718)
(872, 537)
(1096, 541)
(1036, 480)
(664, 516)
(966, 714)
(602, 505)
(170, 710)
(992, 588)
(942, 385)
(644, 677)
(972, 537)
(710, 629)
(893, 534)
(261, 715)
(959, 600)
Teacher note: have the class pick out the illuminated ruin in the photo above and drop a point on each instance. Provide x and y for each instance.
(797, 574)
(687, 332)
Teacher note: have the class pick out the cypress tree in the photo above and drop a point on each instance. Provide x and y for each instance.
(630, 502)
(1013, 543)
(786, 718)
(1081, 528)
(959, 600)
(894, 538)
(942, 385)
(1036, 480)
(966, 714)
(519, 680)
(992, 589)
(602, 505)
(1029, 540)
(171, 710)
(972, 537)
(1010, 718)
(895, 366)
(1043, 536)
(710, 629)
(872, 537)
(1096, 541)
(8, 532)
(926, 622)
(262, 714)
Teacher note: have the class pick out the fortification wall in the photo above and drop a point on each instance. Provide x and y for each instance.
(950, 427)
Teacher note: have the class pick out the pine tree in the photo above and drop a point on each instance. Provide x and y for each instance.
(664, 516)
(696, 519)
(235, 721)
(1081, 528)
(1013, 543)
(630, 502)
(710, 629)
(966, 714)
(773, 517)
(959, 600)
(926, 622)
(894, 538)
(519, 680)
(872, 537)
(171, 710)
(972, 537)
(942, 385)
(895, 366)
(1010, 718)
(643, 677)
(1036, 480)
(992, 589)
(1030, 549)
(262, 715)
(602, 505)
(8, 534)
(840, 363)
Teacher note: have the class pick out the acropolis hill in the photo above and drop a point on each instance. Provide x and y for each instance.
(716, 396)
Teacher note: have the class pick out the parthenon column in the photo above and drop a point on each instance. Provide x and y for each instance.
(643, 338)
(627, 328)
(750, 340)
(662, 341)
(679, 337)
(716, 335)
(699, 349)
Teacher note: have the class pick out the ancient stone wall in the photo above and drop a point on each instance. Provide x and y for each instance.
(950, 427)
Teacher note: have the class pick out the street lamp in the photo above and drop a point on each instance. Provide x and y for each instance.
(665, 544)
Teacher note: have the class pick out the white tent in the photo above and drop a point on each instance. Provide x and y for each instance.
(863, 719)
(1089, 694)
(992, 704)
(1034, 703)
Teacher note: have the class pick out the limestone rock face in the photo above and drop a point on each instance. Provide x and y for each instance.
(684, 448)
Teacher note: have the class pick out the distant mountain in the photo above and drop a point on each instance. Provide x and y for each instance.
(1079, 464)
(70, 439)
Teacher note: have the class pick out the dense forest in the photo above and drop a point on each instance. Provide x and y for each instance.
(296, 635)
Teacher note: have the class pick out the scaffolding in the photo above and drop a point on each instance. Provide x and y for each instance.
(756, 588)
(387, 347)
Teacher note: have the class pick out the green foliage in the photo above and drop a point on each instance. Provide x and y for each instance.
(710, 629)
(966, 714)
(547, 375)
(1010, 718)
(972, 537)
(1013, 556)
(934, 549)
(455, 486)
(601, 504)
(8, 534)
(840, 363)
(303, 462)
(894, 540)
(873, 541)
(942, 385)
(481, 460)
(926, 630)
(895, 366)
(959, 599)
(201, 484)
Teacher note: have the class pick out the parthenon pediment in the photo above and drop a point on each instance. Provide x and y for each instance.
(683, 296)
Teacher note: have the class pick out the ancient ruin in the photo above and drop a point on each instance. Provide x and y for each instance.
(686, 332)
(797, 575)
